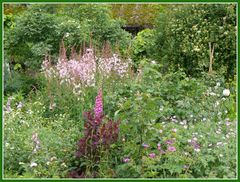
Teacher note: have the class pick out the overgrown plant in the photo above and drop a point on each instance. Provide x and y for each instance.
(99, 134)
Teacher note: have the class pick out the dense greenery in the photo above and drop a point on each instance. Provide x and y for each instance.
(83, 98)
(189, 32)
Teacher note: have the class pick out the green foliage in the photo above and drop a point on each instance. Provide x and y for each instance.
(142, 45)
(184, 35)
(56, 145)
(15, 81)
(37, 32)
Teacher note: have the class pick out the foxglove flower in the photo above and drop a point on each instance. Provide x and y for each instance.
(98, 110)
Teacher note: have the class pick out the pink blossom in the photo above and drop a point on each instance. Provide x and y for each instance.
(98, 110)
(152, 155)
(145, 145)
(171, 149)
(126, 160)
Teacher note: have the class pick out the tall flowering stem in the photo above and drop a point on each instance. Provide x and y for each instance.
(98, 110)
(98, 136)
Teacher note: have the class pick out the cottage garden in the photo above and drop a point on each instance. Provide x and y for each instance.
(84, 98)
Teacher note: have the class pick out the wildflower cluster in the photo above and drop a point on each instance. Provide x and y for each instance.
(113, 64)
(82, 70)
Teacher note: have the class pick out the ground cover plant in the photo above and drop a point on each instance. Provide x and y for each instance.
(83, 98)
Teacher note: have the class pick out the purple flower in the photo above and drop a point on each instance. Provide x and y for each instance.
(126, 160)
(228, 123)
(145, 145)
(98, 110)
(169, 142)
(159, 146)
(152, 155)
(194, 143)
(171, 149)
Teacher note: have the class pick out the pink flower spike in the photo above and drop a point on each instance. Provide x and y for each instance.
(98, 110)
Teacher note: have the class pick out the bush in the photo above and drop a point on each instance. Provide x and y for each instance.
(142, 45)
(185, 34)
(56, 145)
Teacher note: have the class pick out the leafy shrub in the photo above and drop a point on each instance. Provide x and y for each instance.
(142, 45)
(185, 34)
(15, 81)
(54, 154)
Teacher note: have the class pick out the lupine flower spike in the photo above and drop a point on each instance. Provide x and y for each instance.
(98, 110)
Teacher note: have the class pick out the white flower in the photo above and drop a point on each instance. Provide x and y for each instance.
(212, 94)
(189, 140)
(67, 35)
(53, 158)
(153, 62)
(174, 130)
(33, 164)
(226, 92)
(204, 119)
(160, 131)
(217, 104)
(197, 150)
(220, 155)
(7, 144)
(185, 126)
(161, 108)
(63, 165)
(195, 139)
(20, 105)
(48, 163)
(219, 143)
(196, 49)
(218, 84)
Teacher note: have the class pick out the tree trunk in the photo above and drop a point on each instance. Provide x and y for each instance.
(211, 52)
